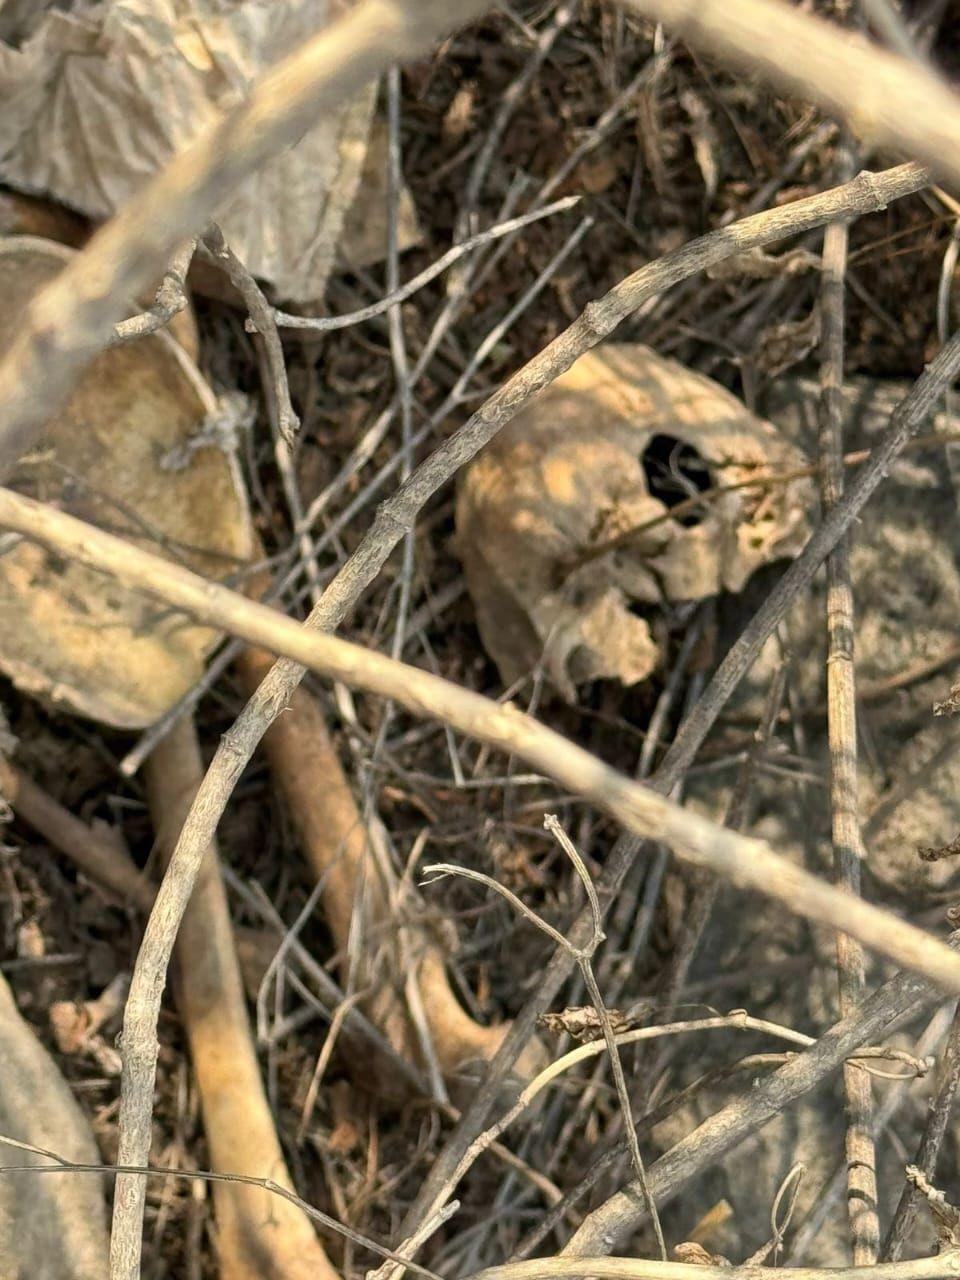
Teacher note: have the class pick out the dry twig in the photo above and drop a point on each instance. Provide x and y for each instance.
(910, 414)
(941, 1267)
(940, 1111)
(623, 1212)
(842, 738)
(748, 863)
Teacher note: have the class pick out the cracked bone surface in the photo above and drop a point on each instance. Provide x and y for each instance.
(614, 444)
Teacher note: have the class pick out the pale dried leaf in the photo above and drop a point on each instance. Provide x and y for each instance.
(757, 264)
(94, 101)
(69, 634)
(537, 508)
(785, 345)
(582, 1022)
(50, 1226)
(706, 144)
(363, 241)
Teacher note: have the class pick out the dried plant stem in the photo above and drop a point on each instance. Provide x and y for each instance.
(941, 1267)
(611, 1222)
(842, 738)
(866, 193)
(885, 99)
(61, 1166)
(171, 299)
(74, 317)
(640, 809)
(584, 961)
(93, 854)
(931, 1142)
(256, 1240)
(327, 324)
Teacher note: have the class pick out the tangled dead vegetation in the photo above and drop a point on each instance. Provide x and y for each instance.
(593, 894)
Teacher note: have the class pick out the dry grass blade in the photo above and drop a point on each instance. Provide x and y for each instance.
(941, 1267)
(842, 734)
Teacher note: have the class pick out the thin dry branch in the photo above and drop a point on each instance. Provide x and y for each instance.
(887, 100)
(941, 1267)
(74, 317)
(611, 1222)
(171, 298)
(746, 862)
(842, 738)
(396, 517)
(939, 1115)
(61, 1166)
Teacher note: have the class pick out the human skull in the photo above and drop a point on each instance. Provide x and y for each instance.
(564, 521)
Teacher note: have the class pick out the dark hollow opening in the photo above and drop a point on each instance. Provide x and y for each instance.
(676, 472)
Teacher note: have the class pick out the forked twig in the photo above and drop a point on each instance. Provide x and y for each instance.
(842, 738)
(622, 1213)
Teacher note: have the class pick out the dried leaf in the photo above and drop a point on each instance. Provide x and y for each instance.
(583, 1022)
(787, 344)
(706, 144)
(757, 264)
(95, 100)
(363, 241)
(108, 652)
(564, 522)
(54, 1227)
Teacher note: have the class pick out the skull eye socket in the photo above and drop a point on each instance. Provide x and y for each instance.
(675, 474)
